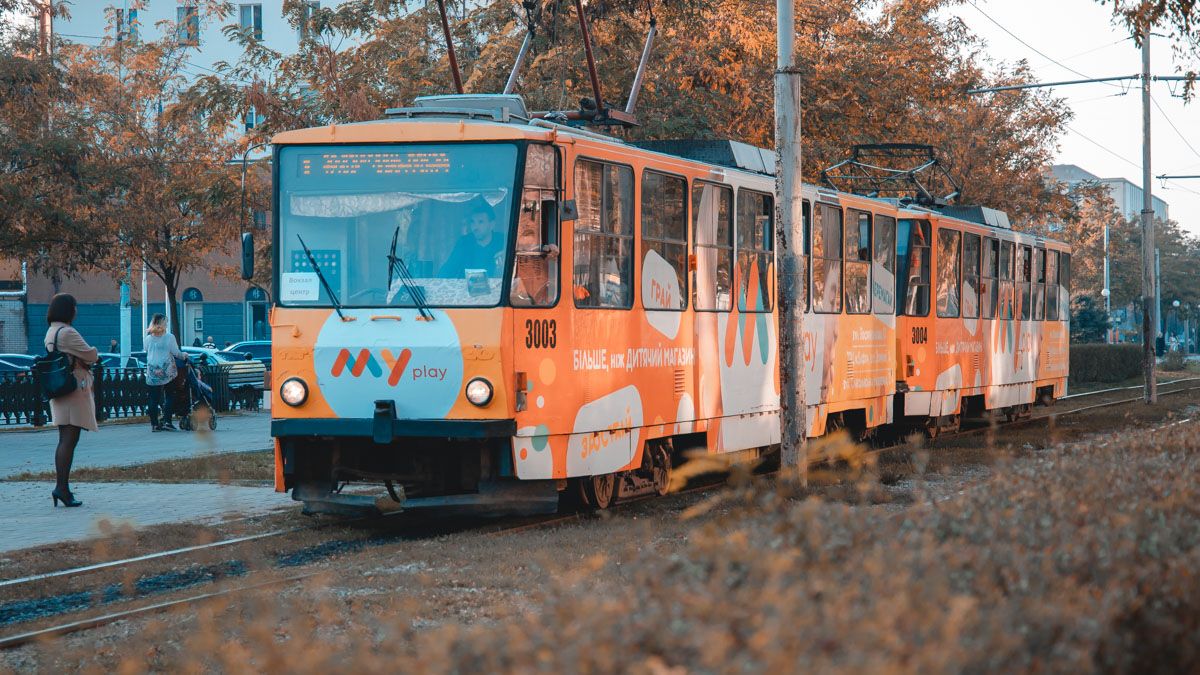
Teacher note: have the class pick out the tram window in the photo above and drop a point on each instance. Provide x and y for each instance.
(989, 284)
(1024, 263)
(883, 271)
(664, 242)
(949, 260)
(1064, 286)
(602, 275)
(755, 240)
(858, 262)
(806, 220)
(536, 268)
(1005, 310)
(1051, 285)
(912, 252)
(970, 277)
(827, 260)
(1039, 285)
(712, 218)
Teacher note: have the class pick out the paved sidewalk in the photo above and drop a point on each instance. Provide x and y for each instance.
(125, 444)
(31, 520)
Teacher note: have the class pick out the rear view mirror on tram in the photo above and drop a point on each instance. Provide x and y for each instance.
(247, 255)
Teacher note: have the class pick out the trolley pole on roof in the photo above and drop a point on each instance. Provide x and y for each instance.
(1149, 297)
(789, 239)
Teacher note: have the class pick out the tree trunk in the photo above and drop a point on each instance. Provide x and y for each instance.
(172, 285)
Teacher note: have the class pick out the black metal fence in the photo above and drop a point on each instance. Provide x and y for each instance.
(119, 392)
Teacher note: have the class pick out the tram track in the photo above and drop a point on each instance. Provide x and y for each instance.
(488, 529)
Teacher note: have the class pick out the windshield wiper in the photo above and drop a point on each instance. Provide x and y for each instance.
(337, 304)
(397, 267)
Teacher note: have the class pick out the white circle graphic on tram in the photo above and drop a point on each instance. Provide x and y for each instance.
(418, 364)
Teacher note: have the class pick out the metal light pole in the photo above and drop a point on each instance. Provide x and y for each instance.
(790, 244)
(1107, 292)
(1148, 278)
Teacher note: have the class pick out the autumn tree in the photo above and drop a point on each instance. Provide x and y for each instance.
(172, 191)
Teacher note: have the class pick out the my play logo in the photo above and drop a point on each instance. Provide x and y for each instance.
(365, 362)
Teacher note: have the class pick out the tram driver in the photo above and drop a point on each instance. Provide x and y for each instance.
(481, 248)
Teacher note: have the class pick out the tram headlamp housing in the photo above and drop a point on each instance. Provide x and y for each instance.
(293, 391)
(479, 391)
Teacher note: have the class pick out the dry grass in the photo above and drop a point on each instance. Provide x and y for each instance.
(1079, 558)
(258, 466)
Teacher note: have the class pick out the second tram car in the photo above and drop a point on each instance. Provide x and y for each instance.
(469, 301)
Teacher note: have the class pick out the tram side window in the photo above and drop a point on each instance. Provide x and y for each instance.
(755, 240)
(712, 213)
(1005, 310)
(912, 253)
(1024, 263)
(970, 280)
(536, 269)
(1039, 285)
(989, 285)
(858, 262)
(1051, 285)
(806, 219)
(827, 260)
(664, 242)
(883, 271)
(602, 272)
(1064, 286)
(949, 260)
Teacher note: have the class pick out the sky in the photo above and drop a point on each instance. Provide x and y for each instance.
(1105, 136)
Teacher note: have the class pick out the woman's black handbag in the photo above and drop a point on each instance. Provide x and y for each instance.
(55, 372)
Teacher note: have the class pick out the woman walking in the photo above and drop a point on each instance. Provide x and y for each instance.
(161, 352)
(75, 411)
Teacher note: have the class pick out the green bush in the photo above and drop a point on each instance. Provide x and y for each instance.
(1104, 363)
(1174, 361)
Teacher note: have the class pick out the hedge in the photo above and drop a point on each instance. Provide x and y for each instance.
(1104, 363)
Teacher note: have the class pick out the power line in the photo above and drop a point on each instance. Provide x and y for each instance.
(1039, 52)
(1177, 131)
(1103, 147)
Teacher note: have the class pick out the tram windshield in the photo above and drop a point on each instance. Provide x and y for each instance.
(395, 225)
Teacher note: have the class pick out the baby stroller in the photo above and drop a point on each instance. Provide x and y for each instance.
(195, 399)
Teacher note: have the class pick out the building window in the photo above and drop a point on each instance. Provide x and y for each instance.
(948, 264)
(912, 249)
(883, 273)
(306, 19)
(127, 25)
(712, 213)
(250, 20)
(858, 262)
(664, 241)
(259, 219)
(1024, 274)
(187, 25)
(1039, 286)
(970, 278)
(603, 266)
(755, 243)
(1007, 299)
(252, 119)
(988, 286)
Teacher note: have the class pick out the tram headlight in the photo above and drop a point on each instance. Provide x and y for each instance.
(479, 391)
(293, 391)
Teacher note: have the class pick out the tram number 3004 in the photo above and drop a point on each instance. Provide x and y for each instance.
(541, 333)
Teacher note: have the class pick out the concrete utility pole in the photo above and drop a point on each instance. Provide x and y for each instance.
(789, 239)
(1150, 393)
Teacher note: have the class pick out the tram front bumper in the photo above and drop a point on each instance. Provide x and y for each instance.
(378, 426)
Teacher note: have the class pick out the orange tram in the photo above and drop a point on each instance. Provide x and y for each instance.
(470, 304)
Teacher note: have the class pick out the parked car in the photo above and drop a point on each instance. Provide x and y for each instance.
(15, 363)
(243, 370)
(110, 360)
(260, 350)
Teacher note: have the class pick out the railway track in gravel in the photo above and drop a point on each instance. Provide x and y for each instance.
(1169, 388)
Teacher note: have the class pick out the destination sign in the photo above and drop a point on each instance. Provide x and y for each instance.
(374, 163)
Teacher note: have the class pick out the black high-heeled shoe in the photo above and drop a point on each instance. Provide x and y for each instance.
(67, 499)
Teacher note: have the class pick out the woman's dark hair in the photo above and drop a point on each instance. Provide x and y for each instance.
(62, 308)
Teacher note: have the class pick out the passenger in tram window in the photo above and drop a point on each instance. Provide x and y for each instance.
(535, 275)
(479, 249)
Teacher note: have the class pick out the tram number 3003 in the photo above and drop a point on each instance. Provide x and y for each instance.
(541, 334)
(920, 335)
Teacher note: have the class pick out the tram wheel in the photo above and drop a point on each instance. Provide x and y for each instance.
(661, 469)
(600, 491)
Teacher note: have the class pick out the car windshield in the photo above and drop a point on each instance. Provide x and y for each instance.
(446, 209)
